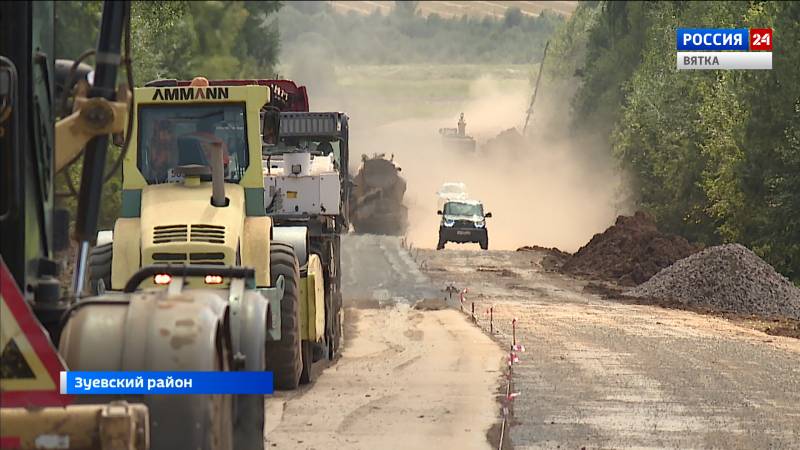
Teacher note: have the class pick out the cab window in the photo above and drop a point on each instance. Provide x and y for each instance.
(187, 134)
(463, 209)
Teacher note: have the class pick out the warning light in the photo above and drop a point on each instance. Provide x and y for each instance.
(213, 279)
(162, 278)
(199, 82)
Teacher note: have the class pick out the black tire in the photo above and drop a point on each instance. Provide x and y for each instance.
(284, 357)
(441, 243)
(249, 427)
(335, 327)
(338, 326)
(307, 352)
(99, 269)
(249, 430)
(485, 243)
(220, 423)
(212, 417)
(220, 428)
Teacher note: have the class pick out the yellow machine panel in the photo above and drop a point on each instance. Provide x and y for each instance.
(254, 254)
(180, 225)
(313, 309)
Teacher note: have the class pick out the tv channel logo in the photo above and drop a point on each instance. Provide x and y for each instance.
(724, 49)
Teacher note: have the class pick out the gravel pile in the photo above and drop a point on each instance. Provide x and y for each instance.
(629, 252)
(729, 278)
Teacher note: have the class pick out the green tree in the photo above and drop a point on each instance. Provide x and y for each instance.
(613, 52)
(714, 155)
(76, 27)
(175, 39)
(402, 36)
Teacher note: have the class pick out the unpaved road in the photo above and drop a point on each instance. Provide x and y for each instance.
(407, 378)
(602, 374)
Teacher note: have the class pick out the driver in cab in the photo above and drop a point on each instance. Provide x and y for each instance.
(161, 155)
(209, 141)
(164, 150)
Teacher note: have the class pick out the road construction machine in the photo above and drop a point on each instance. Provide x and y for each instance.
(376, 198)
(33, 413)
(457, 138)
(306, 178)
(194, 193)
(187, 328)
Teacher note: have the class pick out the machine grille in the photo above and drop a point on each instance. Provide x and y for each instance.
(212, 258)
(163, 234)
(214, 234)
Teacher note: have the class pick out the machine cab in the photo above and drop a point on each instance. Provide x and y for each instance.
(193, 189)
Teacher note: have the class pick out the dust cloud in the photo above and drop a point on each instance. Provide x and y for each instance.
(539, 192)
(552, 189)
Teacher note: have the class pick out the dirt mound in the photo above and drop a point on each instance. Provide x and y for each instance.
(553, 258)
(728, 278)
(629, 252)
(555, 251)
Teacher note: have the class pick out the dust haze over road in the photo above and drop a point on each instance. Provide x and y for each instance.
(597, 373)
(556, 190)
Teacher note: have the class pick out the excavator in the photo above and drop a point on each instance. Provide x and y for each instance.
(47, 328)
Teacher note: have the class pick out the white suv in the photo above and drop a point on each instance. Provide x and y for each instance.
(451, 191)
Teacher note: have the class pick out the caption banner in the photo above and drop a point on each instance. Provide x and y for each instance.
(161, 383)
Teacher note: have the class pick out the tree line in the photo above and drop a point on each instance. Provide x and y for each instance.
(713, 155)
(174, 39)
(403, 36)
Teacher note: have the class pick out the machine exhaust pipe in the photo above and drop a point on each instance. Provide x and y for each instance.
(217, 177)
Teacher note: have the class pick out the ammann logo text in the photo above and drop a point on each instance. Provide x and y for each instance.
(209, 93)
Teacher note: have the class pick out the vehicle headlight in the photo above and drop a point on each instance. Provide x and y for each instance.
(448, 223)
(480, 224)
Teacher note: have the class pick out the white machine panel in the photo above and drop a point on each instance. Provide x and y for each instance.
(330, 189)
(303, 195)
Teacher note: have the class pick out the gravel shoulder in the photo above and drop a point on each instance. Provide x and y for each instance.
(608, 374)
